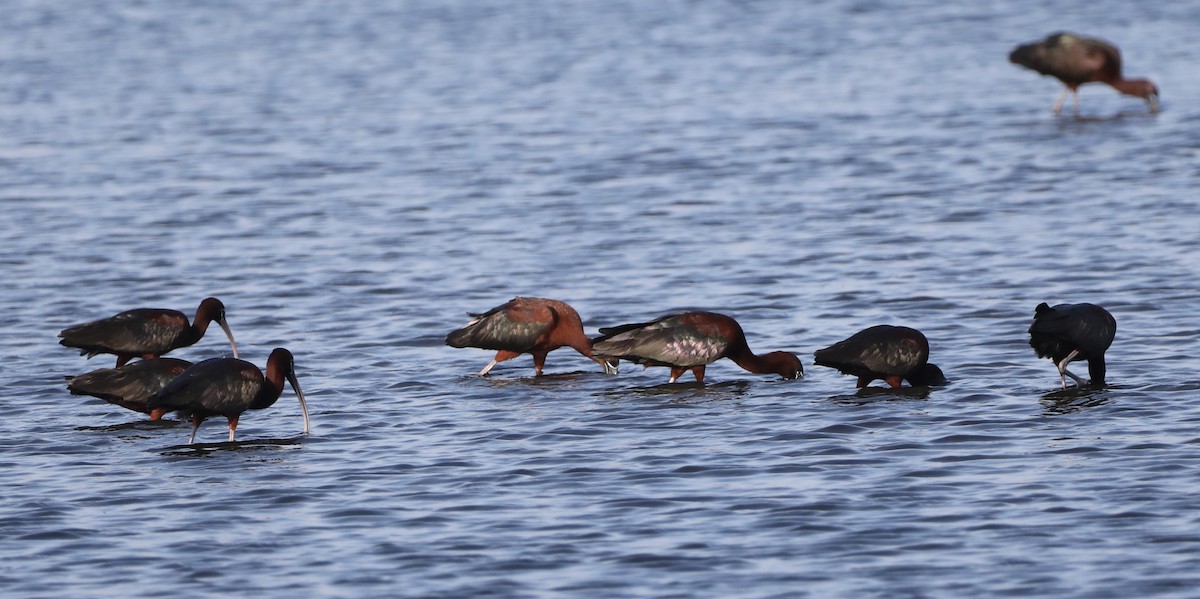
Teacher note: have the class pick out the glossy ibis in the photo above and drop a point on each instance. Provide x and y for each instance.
(1069, 332)
(886, 352)
(229, 386)
(691, 341)
(525, 325)
(130, 386)
(145, 332)
(1075, 60)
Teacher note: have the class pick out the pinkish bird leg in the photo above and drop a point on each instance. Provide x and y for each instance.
(233, 420)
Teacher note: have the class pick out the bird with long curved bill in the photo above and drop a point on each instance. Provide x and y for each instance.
(690, 341)
(146, 332)
(1069, 332)
(228, 387)
(1075, 60)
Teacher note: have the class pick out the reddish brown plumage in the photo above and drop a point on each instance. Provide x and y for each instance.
(1075, 60)
(525, 325)
(691, 341)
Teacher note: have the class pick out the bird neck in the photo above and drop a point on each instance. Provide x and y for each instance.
(1130, 87)
(270, 391)
(752, 362)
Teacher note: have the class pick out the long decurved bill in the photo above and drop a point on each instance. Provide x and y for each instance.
(228, 333)
(291, 377)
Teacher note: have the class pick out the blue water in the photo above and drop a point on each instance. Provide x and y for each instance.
(350, 179)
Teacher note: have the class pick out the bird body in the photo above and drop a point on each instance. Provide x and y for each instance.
(525, 325)
(691, 341)
(130, 386)
(1069, 332)
(1075, 60)
(228, 387)
(145, 332)
(886, 352)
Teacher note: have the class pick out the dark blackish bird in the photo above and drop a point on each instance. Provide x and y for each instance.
(229, 386)
(130, 386)
(1075, 60)
(886, 352)
(145, 332)
(691, 341)
(526, 325)
(1069, 332)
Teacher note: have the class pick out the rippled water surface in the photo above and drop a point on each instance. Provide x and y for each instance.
(350, 179)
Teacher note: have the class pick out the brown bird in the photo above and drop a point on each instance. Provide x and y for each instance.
(131, 385)
(691, 341)
(228, 387)
(886, 352)
(145, 332)
(1075, 60)
(526, 325)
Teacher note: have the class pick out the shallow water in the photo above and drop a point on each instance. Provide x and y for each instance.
(350, 180)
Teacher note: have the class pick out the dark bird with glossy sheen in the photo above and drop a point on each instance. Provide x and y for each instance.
(525, 325)
(887, 352)
(1075, 60)
(1069, 332)
(130, 386)
(691, 341)
(228, 387)
(146, 332)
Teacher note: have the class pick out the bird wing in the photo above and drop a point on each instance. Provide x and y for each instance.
(665, 341)
(130, 384)
(876, 350)
(515, 326)
(219, 386)
(1071, 58)
(1088, 327)
(139, 331)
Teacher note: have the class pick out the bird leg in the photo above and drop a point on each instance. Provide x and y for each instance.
(1063, 373)
(121, 360)
(539, 361)
(501, 356)
(698, 372)
(676, 372)
(1075, 92)
(893, 380)
(1059, 102)
(232, 426)
(196, 420)
(157, 414)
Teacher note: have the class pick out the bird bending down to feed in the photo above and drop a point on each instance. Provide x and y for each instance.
(1069, 332)
(229, 386)
(131, 385)
(1075, 60)
(691, 341)
(145, 332)
(886, 352)
(526, 325)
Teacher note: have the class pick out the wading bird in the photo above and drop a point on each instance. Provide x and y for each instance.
(145, 332)
(886, 352)
(1075, 60)
(1069, 332)
(228, 387)
(691, 341)
(526, 325)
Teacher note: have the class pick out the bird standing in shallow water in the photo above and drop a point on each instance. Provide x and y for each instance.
(1075, 60)
(526, 325)
(145, 332)
(131, 385)
(228, 387)
(886, 352)
(691, 341)
(1069, 332)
